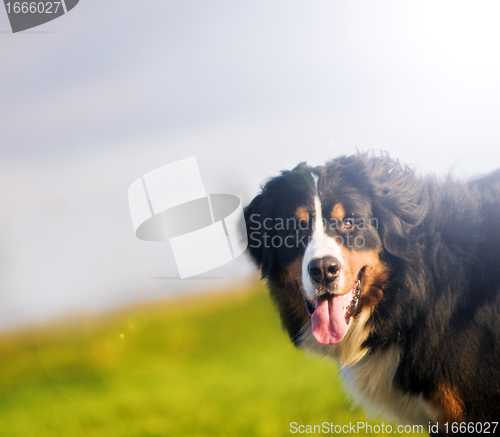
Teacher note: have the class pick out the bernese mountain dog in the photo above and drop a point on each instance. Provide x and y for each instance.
(395, 276)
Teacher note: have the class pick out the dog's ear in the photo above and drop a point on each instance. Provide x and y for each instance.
(259, 231)
(400, 200)
(395, 233)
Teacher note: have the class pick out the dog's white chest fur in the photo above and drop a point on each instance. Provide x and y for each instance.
(370, 381)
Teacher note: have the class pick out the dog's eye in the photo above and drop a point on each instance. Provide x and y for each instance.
(347, 224)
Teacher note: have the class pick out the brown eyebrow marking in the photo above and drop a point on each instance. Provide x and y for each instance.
(302, 214)
(338, 212)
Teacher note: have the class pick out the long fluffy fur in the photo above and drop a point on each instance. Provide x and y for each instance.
(441, 302)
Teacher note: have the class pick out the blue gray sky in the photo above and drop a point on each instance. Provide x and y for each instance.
(92, 100)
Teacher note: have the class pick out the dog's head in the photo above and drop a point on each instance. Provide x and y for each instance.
(323, 238)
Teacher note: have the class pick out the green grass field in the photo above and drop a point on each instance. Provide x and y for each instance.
(199, 366)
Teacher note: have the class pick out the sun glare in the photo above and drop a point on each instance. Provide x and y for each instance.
(460, 34)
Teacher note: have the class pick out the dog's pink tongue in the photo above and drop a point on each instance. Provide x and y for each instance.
(328, 320)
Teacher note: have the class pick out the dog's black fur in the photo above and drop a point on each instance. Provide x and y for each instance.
(440, 303)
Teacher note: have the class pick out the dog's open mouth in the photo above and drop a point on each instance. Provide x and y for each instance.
(331, 315)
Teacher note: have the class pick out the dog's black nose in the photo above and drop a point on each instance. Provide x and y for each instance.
(324, 270)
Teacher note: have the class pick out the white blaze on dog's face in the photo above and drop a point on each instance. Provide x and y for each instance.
(331, 289)
(321, 245)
